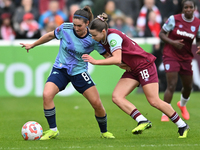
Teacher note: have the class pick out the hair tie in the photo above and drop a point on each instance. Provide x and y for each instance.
(101, 18)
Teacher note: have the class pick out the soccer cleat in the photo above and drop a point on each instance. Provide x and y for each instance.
(164, 118)
(183, 131)
(107, 135)
(49, 134)
(142, 125)
(184, 111)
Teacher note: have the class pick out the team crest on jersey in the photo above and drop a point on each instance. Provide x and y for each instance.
(58, 29)
(167, 66)
(113, 43)
(193, 28)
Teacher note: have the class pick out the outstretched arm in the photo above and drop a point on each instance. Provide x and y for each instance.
(44, 39)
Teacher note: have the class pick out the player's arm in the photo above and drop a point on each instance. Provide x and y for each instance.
(43, 39)
(176, 43)
(198, 46)
(115, 59)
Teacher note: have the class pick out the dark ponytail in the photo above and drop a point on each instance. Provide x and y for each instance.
(85, 14)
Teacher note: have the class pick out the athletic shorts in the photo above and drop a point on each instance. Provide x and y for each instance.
(143, 75)
(182, 67)
(61, 78)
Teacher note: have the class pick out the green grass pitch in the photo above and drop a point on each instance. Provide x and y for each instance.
(79, 129)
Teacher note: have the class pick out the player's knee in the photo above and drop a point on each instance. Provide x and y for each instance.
(115, 98)
(154, 103)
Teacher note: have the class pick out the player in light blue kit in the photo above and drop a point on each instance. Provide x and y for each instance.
(75, 41)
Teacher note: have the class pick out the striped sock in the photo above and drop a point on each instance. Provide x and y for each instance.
(50, 115)
(136, 115)
(177, 120)
(102, 121)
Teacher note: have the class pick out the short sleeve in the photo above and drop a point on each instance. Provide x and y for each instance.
(115, 42)
(58, 32)
(169, 24)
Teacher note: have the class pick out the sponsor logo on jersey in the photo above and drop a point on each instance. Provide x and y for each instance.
(55, 72)
(183, 33)
(113, 43)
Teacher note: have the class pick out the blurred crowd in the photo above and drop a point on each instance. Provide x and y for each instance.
(29, 19)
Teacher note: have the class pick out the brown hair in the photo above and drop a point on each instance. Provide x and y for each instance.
(85, 14)
(99, 23)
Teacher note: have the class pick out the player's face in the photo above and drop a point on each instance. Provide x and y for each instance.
(96, 35)
(188, 9)
(80, 27)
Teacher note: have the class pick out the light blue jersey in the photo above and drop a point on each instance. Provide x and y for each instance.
(72, 47)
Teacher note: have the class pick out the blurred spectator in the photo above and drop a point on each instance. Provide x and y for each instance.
(129, 7)
(166, 8)
(120, 24)
(110, 10)
(7, 32)
(130, 24)
(53, 17)
(86, 3)
(72, 9)
(44, 5)
(26, 7)
(71, 2)
(7, 6)
(29, 28)
(153, 25)
(149, 5)
(98, 7)
(18, 3)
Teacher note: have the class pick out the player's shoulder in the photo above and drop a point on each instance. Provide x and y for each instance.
(67, 25)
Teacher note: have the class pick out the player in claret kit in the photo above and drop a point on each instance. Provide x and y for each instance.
(75, 41)
(143, 71)
(178, 33)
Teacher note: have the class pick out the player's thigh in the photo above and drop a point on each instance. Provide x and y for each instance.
(172, 78)
(124, 87)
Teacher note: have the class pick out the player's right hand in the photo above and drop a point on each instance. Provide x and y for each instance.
(27, 46)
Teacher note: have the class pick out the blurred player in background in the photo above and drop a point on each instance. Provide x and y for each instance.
(178, 33)
(75, 41)
(143, 71)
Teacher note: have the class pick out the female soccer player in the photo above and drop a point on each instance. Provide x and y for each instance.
(75, 41)
(143, 71)
(178, 33)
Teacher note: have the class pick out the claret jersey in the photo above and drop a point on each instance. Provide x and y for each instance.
(72, 47)
(132, 54)
(179, 28)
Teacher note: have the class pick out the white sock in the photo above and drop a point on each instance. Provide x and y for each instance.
(184, 100)
(54, 129)
(141, 118)
(180, 123)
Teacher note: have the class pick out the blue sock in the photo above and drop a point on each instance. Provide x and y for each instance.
(102, 121)
(50, 115)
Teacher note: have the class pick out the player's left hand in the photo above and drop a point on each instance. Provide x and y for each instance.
(88, 58)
